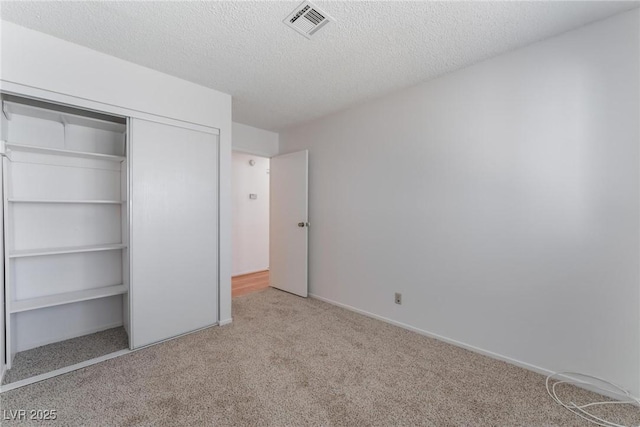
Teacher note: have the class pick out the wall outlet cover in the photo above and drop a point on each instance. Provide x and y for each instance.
(398, 298)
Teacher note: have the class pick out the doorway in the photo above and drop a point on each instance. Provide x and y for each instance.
(250, 233)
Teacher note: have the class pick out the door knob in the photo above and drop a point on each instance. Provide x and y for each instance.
(301, 224)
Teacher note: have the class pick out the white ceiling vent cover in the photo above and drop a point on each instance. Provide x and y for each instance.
(307, 19)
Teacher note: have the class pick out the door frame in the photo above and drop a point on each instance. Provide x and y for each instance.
(262, 156)
(270, 157)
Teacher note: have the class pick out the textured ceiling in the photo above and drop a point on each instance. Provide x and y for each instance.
(279, 78)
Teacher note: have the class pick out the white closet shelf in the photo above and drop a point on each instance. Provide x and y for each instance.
(66, 298)
(95, 202)
(61, 152)
(66, 250)
(17, 108)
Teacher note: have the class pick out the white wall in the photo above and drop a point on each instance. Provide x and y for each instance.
(42, 66)
(42, 61)
(248, 139)
(501, 200)
(250, 216)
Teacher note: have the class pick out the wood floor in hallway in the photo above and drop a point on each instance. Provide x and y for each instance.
(249, 283)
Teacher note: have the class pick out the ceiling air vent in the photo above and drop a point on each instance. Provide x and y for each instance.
(307, 19)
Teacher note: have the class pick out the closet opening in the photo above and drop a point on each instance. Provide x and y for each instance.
(250, 213)
(65, 219)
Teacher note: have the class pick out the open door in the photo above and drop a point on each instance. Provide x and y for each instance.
(289, 226)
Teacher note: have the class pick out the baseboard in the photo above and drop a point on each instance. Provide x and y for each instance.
(491, 354)
(225, 322)
(246, 273)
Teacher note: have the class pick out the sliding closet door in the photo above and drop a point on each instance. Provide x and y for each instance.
(174, 231)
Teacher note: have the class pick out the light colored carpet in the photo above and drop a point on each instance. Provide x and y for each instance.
(58, 355)
(288, 361)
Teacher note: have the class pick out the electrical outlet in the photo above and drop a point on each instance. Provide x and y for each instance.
(398, 298)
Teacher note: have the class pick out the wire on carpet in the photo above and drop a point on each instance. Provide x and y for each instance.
(588, 380)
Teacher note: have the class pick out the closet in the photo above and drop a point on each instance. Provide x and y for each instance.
(65, 193)
(110, 234)
(115, 220)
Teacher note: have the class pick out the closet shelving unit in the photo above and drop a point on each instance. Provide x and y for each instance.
(65, 250)
(68, 153)
(65, 212)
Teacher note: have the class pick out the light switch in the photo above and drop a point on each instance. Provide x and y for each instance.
(253, 196)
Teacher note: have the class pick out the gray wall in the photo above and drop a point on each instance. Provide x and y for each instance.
(501, 200)
(249, 139)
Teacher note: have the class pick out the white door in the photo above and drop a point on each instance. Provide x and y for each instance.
(174, 231)
(289, 227)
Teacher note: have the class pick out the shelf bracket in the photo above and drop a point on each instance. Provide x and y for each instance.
(4, 152)
(6, 111)
(64, 122)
